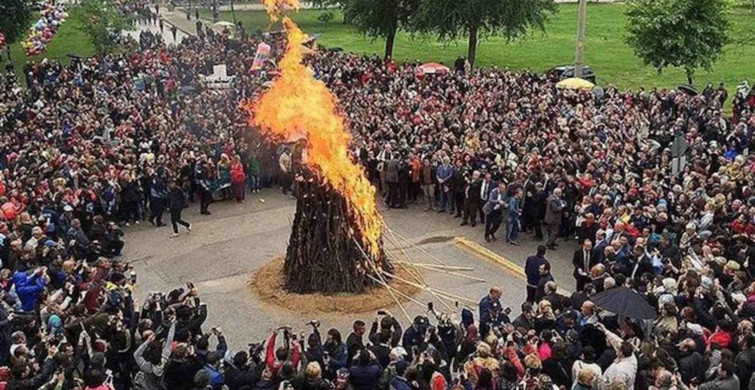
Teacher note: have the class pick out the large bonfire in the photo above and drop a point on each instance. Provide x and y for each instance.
(336, 241)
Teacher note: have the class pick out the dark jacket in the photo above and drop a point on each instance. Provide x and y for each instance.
(473, 191)
(399, 383)
(382, 354)
(354, 344)
(391, 170)
(302, 382)
(558, 372)
(554, 210)
(691, 365)
(236, 378)
(578, 260)
(36, 381)
(180, 374)
(177, 199)
(129, 191)
(365, 377)
(531, 269)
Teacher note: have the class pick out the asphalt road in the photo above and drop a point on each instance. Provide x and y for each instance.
(224, 248)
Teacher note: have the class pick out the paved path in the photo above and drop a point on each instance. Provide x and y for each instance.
(237, 239)
(155, 29)
(177, 17)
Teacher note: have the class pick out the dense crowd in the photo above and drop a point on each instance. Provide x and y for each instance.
(107, 142)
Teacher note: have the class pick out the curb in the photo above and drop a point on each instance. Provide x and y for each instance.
(486, 253)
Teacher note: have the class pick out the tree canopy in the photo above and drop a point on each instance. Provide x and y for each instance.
(381, 18)
(452, 19)
(102, 22)
(688, 34)
(15, 20)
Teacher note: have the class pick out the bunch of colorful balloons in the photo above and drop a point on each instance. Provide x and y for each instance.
(43, 30)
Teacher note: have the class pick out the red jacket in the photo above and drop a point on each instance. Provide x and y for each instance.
(271, 360)
(237, 173)
(720, 338)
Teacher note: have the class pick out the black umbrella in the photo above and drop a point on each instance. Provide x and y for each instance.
(688, 89)
(625, 302)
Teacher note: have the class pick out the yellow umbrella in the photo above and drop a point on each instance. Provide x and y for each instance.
(575, 83)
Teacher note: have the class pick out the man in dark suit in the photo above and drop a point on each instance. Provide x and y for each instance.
(354, 342)
(486, 185)
(583, 261)
(641, 264)
(494, 211)
(532, 271)
(589, 228)
(472, 199)
(392, 177)
(554, 213)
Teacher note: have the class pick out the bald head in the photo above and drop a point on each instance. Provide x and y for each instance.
(588, 308)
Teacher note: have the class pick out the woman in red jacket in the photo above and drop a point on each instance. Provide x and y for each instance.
(238, 179)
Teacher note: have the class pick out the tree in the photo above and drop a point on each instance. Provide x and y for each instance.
(103, 23)
(15, 21)
(688, 34)
(381, 18)
(451, 19)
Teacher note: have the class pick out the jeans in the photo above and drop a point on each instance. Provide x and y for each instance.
(512, 229)
(447, 203)
(254, 182)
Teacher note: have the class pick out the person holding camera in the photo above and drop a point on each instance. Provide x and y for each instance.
(385, 322)
(275, 358)
(414, 336)
(365, 372)
(336, 354)
(151, 357)
(242, 370)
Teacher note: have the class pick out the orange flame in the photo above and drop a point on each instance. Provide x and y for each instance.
(298, 106)
(275, 8)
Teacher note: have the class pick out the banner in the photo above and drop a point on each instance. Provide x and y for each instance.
(263, 52)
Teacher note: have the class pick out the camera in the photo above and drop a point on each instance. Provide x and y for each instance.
(382, 312)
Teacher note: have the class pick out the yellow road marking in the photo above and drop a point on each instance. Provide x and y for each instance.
(481, 251)
(486, 253)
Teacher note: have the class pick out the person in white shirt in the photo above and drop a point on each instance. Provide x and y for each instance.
(587, 362)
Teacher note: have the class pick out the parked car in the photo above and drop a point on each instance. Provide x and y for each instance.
(567, 71)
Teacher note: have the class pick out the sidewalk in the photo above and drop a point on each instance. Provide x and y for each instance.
(258, 7)
(155, 29)
(177, 17)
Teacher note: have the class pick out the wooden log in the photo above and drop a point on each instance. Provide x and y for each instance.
(323, 254)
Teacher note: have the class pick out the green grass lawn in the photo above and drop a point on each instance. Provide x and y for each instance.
(68, 40)
(606, 52)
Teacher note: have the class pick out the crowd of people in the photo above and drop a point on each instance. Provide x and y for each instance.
(107, 142)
